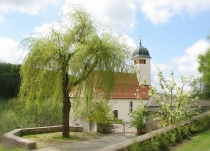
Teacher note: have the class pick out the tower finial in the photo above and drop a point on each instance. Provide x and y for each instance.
(140, 38)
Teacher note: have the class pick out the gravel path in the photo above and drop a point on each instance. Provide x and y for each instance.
(92, 144)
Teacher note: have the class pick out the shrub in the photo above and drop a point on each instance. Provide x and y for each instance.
(15, 115)
(177, 134)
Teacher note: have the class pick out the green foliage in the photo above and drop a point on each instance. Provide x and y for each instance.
(117, 121)
(172, 137)
(200, 124)
(175, 102)
(135, 146)
(139, 116)
(162, 141)
(204, 63)
(77, 50)
(62, 62)
(200, 88)
(9, 121)
(9, 80)
(204, 68)
(15, 115)
(101, 112)
(34, 116)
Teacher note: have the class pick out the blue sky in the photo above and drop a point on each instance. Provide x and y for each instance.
(174, 31)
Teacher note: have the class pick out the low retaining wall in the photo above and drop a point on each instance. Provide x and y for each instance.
(13, 138)
(125, 144)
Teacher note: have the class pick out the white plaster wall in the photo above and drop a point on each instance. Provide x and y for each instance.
(122, 105)
(144, 70)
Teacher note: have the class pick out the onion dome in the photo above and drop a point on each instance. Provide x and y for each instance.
(141, 52)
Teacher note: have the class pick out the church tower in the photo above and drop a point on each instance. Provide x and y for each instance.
(141, 63)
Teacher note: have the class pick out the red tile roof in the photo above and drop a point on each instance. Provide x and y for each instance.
(130, 92)
(127, 87)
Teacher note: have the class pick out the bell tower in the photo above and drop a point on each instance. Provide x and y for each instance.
(141, 63)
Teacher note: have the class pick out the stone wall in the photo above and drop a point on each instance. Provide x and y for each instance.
(13, 138)
(125, 144)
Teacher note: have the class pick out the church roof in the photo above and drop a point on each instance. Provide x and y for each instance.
(128, 88)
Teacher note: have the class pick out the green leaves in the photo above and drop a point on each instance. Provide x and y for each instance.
(139, 116)
(175, 102)
(204, 68)
(73, 57)
(73, 47)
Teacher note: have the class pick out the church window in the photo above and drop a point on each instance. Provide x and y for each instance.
(115, 113)
(130, 106)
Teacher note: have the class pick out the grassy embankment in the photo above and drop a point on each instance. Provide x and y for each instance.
(200, 142)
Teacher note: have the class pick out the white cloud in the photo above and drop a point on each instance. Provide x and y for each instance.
(118, 15)
(43, 28)
(188, 63)
(129, 41)
(31, 7)
(161, 66)
(122, 15)
(9, 52)
(160, 11)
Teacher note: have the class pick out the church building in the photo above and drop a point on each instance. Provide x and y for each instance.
(125, 95)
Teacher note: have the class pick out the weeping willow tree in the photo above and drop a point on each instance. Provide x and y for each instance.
(71, 58)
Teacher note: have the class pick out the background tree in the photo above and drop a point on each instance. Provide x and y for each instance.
(175, 100)
(9, 80)
(204, 68)
(60, 62)
(200, 88)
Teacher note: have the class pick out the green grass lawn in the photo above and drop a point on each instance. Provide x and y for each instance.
(200, 142)
(17, 149)
(50, 139)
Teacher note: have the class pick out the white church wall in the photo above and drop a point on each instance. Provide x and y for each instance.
(123, 107)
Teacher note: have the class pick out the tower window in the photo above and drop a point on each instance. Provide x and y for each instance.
(142, 61)
(130, 106)
(136, 61)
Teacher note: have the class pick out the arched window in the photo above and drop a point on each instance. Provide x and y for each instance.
(115, 113)
(130, 106)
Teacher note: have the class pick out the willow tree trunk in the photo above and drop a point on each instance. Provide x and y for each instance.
(66, 110)
(66, 107)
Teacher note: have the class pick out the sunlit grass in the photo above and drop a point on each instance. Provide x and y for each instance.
(200, 142)
(49, 139)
